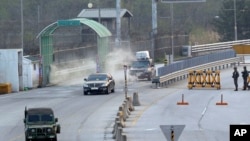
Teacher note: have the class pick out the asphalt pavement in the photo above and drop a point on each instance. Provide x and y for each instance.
(201, 120)
(91, 118)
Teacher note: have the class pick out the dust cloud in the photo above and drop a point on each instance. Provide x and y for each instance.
(115, 62)
(73, 72)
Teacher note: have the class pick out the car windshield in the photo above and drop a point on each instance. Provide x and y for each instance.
(97, 77)
(40, 118)
(140, 64)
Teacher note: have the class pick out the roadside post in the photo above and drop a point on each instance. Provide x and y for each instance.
(125, 76)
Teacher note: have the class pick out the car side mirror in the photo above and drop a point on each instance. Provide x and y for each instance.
(58, 129)
(85, 79)
(56, 119)
(24, 121)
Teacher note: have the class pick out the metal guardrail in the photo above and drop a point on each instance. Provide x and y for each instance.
(195, 61)
(183, 73)
(217, 46)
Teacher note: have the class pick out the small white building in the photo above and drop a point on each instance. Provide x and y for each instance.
(11, 70)
(31, 71)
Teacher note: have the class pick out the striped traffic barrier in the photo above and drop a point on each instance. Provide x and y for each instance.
(201, 79)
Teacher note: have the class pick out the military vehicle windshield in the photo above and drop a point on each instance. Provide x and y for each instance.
(40, 118)
(140, 64)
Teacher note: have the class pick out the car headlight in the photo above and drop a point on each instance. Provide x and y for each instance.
(32, 130)
(104, 85)
(49, 130)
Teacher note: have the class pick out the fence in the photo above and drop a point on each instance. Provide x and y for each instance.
(195, 62)
(208, 48)
(182, 74)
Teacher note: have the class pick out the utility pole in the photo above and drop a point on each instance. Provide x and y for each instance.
(125, 81)
(22, 24)
(171, 2)
(118, 23)
(235, 22)
(154, 26)
(99, 12)
(172, 30)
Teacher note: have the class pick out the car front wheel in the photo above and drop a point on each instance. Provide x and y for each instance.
(85, 93)
(107, 91)
(113, 90)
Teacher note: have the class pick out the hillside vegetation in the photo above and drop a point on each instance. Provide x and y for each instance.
(191, 19)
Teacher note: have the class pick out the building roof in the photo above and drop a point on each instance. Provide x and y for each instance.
(104, 13)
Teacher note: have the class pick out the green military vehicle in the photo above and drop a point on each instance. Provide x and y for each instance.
(40, 123)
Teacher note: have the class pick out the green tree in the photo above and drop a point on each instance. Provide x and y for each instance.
(226, 22)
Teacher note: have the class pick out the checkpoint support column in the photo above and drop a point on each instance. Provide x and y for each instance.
(125, 77)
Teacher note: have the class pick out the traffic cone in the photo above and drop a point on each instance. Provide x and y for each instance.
(182, 101)
(221, 101)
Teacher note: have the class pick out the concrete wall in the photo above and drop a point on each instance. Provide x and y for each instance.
(11, 68)
(30, 73)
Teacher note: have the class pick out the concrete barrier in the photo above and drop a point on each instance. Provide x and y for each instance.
(130, 104)
(123, 137)
(136, 101)
(123, 113)
(116, 132)
(126, 104)
(120, 118)
(124, 116)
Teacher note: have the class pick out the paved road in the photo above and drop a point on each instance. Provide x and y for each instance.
(90, 118)
(201, 120)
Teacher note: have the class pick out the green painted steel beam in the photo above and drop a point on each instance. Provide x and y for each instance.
(47, 48)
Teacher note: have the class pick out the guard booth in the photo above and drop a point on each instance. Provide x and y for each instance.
(186, 50)
(47, 48)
